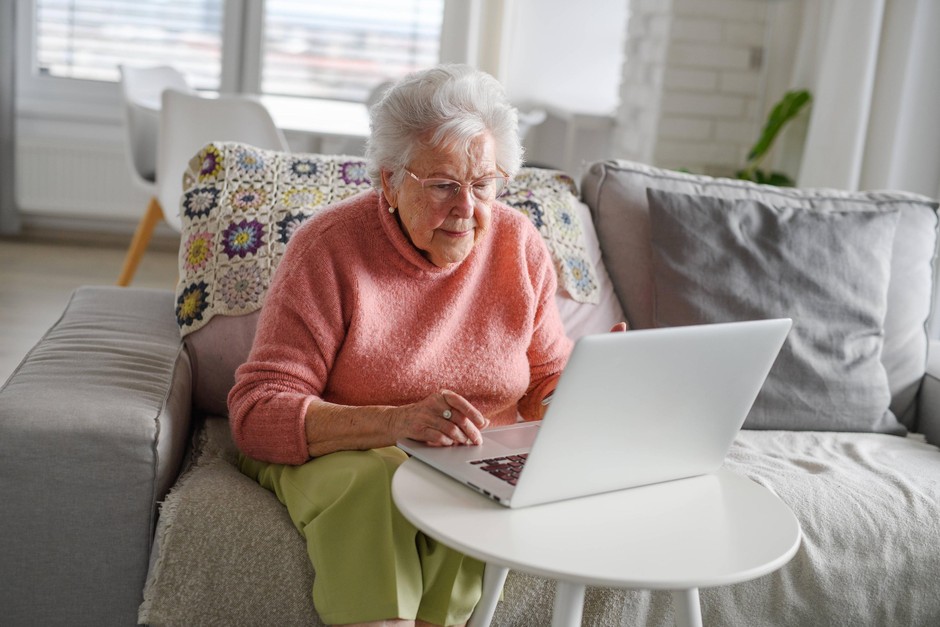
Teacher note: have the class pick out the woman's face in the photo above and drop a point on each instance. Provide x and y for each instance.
(445, 231)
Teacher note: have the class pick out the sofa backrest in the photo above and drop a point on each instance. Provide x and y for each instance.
(240, 206)
(616, 192)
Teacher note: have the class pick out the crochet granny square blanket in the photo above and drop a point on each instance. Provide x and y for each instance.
(240, 206)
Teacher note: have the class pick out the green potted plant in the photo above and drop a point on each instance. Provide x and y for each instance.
(792, 103)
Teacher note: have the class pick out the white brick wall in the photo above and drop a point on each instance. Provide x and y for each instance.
(691, 94)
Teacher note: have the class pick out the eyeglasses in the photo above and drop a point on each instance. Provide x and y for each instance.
(441, 190)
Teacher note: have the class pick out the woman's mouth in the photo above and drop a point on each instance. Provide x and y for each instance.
(456, 233)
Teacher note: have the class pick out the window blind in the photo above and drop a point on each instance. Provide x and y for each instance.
(342, 50)
(317, 48)
(88, 39)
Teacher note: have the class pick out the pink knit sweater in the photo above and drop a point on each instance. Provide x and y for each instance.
(355, 315)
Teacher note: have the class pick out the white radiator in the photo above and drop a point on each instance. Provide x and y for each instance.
(75, 179)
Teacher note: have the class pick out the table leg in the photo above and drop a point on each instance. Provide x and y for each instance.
(569, 600)
(687, 607)
(493, 579)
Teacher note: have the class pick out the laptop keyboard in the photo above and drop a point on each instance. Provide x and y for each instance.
(505, 468)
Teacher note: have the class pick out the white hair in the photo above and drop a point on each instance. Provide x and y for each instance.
(441, 105)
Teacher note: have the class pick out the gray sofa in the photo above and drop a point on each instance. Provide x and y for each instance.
(120, 501)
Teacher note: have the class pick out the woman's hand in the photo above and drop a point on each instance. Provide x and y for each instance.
(442, 419)
(619, 327)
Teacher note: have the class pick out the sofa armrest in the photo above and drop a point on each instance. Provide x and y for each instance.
(94, 424)
(928, 410)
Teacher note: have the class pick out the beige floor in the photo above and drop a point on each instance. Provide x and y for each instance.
(36, 279)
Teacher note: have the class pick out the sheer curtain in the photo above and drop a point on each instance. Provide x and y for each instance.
(9, 219)
(871, 66)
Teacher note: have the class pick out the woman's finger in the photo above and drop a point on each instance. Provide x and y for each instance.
(463, 430)
(445, 419)
(465, 407)
(459, 428)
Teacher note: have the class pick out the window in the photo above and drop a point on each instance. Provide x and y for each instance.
(320, 48)
(341, 50)
(88, 39)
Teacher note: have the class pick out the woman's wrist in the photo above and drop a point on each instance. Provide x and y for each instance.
(330, 427)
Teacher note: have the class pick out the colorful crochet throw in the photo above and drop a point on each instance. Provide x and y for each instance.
(240, 206)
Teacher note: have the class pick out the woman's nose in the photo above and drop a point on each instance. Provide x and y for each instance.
(464, 202)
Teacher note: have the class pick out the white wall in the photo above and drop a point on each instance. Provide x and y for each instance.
(567, 58)
(566, 54)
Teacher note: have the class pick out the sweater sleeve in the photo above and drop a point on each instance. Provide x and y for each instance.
(549, 348)
(299, 331)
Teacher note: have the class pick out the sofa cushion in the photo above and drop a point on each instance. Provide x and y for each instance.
(616, 193)
(220, 534)
(717, 260)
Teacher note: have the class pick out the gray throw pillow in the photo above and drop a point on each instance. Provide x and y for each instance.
(616, 193)
(719, 260)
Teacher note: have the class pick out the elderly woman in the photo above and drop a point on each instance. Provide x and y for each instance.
(421, 309)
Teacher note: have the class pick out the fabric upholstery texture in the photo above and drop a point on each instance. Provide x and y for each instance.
(616, 193)
(222, 535)
(717, 260)
(241, 204)
(94, 422)
(218, 348)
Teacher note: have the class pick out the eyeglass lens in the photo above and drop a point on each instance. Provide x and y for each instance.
(442, 190)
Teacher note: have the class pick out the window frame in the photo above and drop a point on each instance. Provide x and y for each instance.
(242, 39)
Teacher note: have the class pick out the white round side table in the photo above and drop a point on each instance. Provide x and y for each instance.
(712, 530)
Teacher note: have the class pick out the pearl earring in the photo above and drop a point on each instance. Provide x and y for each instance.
(391, 209)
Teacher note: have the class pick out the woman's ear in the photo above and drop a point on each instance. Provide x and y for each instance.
(390, 192)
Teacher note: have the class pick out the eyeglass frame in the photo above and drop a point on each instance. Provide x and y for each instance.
(460, 186)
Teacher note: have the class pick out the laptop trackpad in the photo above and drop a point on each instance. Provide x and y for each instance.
(514, 437)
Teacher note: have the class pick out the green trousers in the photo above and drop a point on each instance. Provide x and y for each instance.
(371, 564)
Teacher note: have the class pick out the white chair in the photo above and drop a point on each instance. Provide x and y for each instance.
(188, 122)
(141, 89)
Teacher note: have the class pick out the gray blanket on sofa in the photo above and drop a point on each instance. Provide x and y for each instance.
(868, 504)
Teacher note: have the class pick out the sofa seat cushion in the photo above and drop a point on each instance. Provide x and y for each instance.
(868, 505)
(227, 553)
(616, 192)
(869, 508)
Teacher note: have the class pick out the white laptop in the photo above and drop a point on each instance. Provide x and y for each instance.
(631, 409)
